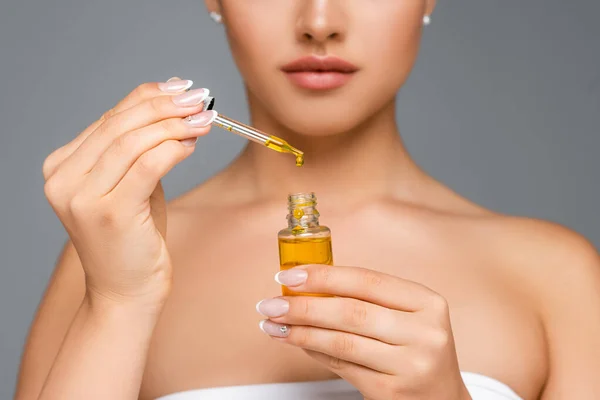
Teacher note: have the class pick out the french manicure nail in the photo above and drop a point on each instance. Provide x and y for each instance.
(189, 142)
(291, 277)
(273, 307)
(273, 329)
(175, 86)
(201, 119)
(191, 98)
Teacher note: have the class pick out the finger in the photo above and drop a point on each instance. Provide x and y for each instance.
(139, 95)
(342, 314)
(359, 283)
(356, 349)
(124, 151)
(145, 174)
(149, 90)
(137, 117)
(372, 384)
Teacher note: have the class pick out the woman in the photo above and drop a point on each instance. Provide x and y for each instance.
(435, 297)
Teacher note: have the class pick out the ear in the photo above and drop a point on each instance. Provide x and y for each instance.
(430, 6)
(213, 6)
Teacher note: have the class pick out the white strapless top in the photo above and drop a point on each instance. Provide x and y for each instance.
(480, 387)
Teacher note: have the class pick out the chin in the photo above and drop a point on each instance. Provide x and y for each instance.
(321, 123)
(317, 116)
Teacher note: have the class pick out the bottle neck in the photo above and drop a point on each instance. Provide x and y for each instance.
(302, 214)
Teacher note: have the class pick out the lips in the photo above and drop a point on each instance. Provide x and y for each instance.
(319, 73)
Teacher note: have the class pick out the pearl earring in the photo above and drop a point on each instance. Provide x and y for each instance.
(216, 17)
(426, 20)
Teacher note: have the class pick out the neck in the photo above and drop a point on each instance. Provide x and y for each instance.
(369, 161)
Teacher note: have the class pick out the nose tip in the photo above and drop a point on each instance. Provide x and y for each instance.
(321, 21)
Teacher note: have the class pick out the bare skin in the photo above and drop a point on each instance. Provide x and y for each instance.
(524, 295)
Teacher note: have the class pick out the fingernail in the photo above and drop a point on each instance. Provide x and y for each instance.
(191, 98)
(175, 86)
(189, 142)
(273, 329)
(273, 307)
(175, 78)
(201, 119)
(291, 277)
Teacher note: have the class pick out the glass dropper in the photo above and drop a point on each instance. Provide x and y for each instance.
(250, 133)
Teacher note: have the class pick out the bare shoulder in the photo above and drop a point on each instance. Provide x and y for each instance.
(559, 270)
(560, 267)
(547, 255)
(545, 260)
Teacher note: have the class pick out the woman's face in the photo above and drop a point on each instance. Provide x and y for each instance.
(322, 67)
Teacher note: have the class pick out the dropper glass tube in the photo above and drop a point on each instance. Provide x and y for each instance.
(250, 133)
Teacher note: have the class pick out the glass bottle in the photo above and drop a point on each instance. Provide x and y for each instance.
(304, 241)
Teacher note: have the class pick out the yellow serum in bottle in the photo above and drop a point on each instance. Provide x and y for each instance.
(304, 241)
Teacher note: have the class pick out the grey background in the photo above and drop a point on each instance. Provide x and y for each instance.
(503, 106)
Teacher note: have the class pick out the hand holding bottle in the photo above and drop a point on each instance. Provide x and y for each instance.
(389, 337)
(105, 188)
